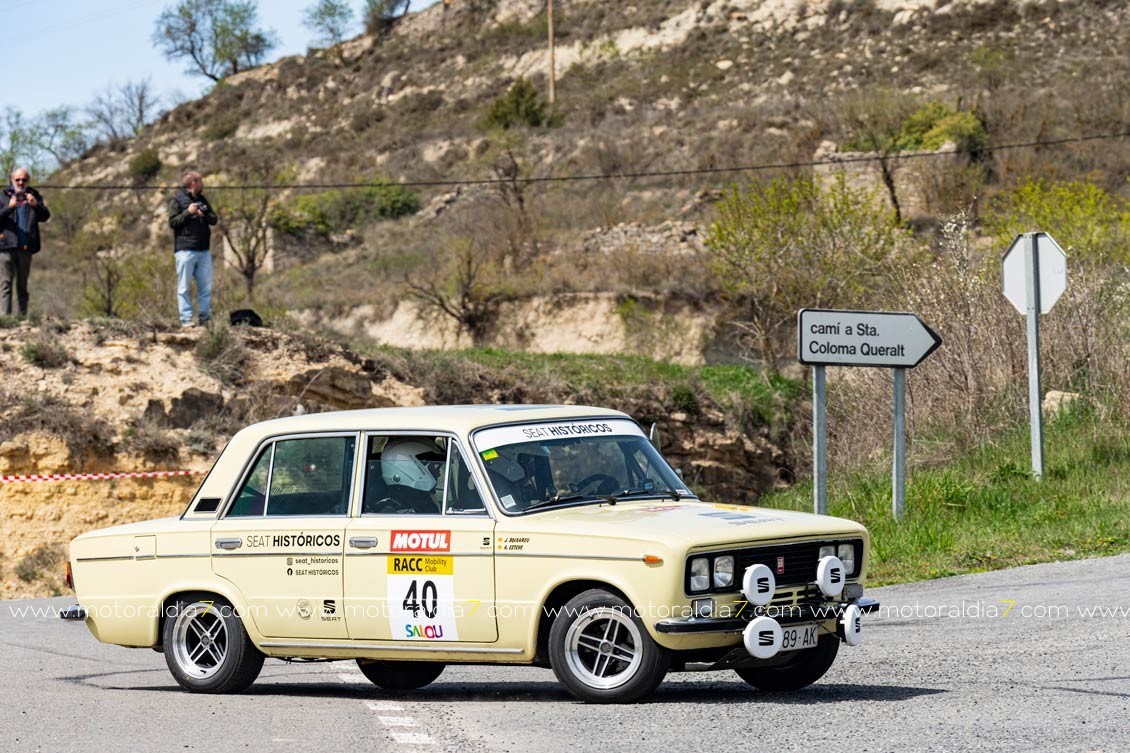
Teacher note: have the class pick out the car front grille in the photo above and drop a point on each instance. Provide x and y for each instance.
(793, 565)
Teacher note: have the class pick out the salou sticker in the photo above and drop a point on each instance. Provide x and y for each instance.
(421, 586)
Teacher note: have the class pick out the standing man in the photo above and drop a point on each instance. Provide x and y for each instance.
(191, 219)
(21, 211)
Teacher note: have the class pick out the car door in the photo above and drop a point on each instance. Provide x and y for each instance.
(419, 560)
(281, 540)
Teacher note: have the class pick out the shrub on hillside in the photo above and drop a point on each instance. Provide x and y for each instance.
(222, 355)
(521, 105)
(45, 353)
(334, 211)
(222, 126)
(145, 166)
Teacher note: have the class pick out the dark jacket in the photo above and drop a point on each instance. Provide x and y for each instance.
(12, 237)
(191, 232)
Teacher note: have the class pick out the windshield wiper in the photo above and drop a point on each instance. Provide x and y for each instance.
(649, 492)
(567, 497)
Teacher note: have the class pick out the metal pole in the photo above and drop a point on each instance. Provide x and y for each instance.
(819, 442)
(1032, 280)
(898, 472)
(552, 55)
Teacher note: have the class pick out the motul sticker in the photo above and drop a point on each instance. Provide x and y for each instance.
(421, 541)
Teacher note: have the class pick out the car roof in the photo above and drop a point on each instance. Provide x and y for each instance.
(461, 419)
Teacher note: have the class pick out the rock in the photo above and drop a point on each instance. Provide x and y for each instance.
(192, 405)
(1056, 402)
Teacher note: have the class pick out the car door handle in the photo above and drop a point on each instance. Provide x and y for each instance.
(363, 542)
(229, 543)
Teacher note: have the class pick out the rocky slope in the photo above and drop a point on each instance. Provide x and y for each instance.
(96, 398)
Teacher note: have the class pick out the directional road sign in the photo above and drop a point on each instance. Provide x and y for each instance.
(863, 338)
(1051, 267)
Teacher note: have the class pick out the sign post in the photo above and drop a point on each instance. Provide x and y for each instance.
(887, 339)
(1033, 277)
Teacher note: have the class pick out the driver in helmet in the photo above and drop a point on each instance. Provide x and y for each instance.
(410, 469)
(521, 476)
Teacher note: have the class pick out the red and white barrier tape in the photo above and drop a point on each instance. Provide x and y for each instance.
(95, 476)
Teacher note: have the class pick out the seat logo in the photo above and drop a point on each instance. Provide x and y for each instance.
(765, 638)
(835, 576)
(763, 585)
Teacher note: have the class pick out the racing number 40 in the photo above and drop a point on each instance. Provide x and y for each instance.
(423, 602)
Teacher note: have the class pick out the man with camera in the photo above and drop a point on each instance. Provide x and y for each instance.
(21, 211)
(191, 218)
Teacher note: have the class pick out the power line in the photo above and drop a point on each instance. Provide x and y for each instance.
(607, 176)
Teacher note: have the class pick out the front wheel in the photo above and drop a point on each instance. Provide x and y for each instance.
(207, 649)
(400, 675)
(602, 653)
(801, 670)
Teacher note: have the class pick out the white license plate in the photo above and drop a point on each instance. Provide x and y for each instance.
(797, 637)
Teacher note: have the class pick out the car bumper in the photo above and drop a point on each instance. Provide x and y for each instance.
(792, 614)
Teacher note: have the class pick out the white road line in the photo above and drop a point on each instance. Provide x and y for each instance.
(383, 706)
(412, 738)
(397, 721)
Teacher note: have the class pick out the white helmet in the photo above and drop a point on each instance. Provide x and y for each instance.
(507, 465)
(401, 466)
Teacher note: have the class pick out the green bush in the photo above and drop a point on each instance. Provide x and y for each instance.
(928, 128)
(222, 126)
(519, 106)
(39, 563)
(334, 211)
(46, 354)
(145, 165)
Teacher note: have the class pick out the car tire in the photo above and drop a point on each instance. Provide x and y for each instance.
(801, 670)
(400, 675)
(601, 651)
(207, 648)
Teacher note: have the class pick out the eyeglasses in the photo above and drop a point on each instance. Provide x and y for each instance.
(19, 180)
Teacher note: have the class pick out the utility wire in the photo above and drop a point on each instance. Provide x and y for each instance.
(607, 176)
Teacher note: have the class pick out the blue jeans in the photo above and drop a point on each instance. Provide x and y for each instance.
(194, 265)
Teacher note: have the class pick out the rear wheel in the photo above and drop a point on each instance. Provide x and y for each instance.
(207, 649)
(800, 671)
(602, 653)
(400, 675)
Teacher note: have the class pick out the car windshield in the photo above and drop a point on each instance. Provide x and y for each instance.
(542, 466)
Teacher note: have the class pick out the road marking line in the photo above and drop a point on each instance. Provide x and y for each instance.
(412, 738)
(397, 721)
(384, 706)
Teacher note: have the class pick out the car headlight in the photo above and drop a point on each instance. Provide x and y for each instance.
(724, 571)
(826, 551)
(846, 553)
(700, 574)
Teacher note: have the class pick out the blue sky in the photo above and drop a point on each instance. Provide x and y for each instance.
(75, 48)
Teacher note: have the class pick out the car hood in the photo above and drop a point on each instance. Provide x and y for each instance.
(693, 523)
(141, 528)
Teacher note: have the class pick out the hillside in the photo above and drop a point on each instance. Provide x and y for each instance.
(668, 85)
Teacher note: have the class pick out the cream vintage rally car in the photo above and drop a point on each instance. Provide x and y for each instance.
(411, 538)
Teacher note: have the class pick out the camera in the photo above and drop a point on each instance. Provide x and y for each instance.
(21, 196)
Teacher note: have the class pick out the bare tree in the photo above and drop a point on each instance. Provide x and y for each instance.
(380, 15)
(122, 111)
(245, 216)
(217, 37)
(462, 284)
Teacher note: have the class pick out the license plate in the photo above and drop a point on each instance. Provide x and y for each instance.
(797, 637)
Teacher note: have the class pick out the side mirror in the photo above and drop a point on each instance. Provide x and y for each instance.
(679, 472)
(653, 435)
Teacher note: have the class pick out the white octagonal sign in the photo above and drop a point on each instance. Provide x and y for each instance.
(1052, 266)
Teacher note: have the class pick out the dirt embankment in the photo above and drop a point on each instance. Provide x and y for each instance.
(95, 399)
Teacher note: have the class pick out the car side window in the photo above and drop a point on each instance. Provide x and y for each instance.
(252, 497)
(311, 476)
(404, 475)
(462, 495)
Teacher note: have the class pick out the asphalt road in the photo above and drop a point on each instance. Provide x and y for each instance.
(943, 668)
